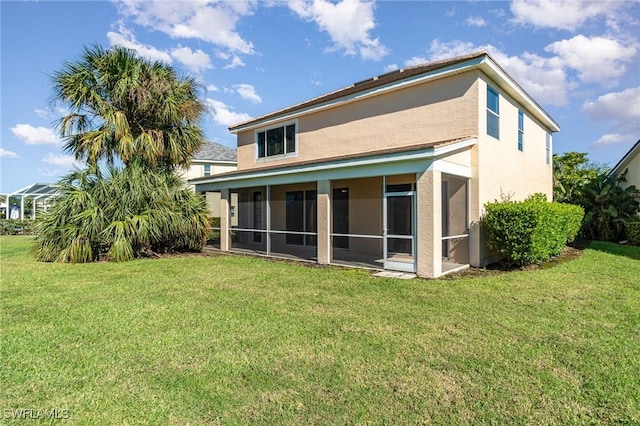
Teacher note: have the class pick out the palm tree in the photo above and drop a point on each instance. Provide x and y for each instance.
(126, 108)
(123, 106)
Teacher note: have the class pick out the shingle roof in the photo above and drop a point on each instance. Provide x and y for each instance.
(212, 151)
(365, 85)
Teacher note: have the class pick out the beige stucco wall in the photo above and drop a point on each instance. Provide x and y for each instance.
(633, 175)
(500, 170)
(196, 170)
(405, 117)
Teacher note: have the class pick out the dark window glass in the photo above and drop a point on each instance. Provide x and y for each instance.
(207, 169)
(275, 141)
(295, 216)
(341, 217)
(257, 216)
(261, 145)
(493, 111)
(291, 138)
(310, 218)
(492, 100)
(400, 187)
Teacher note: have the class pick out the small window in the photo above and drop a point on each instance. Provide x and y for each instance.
(207, 170)
(493, 113)
(520, 131)
(548, 148)
(277, 141)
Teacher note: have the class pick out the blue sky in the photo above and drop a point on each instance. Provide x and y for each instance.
(579, 60)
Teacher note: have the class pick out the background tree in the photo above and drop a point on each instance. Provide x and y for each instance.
(123, 107)
(571, 172)
(608, 206)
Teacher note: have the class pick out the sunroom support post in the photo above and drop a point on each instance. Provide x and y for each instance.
(324, 224)
(268, 195)
(429, 224)
(224, 219)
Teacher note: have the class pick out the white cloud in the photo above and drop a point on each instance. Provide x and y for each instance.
(212, 88)
(348, 23)
(622, 111)
(43, 113)
(196, 61)
(51, 112)
(416, 60)
(32, 135)
(476, 21)
(222, 114)
(543, 78)
(612, 139)
(5, 153)
(248, 92)
(235, 63)
(201, 20)
(391, 67)
(60, 160)
(620, 107)
(563, 14)
(596, 59)
(125, 38)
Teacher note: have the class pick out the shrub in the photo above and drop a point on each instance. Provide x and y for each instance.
(128, 213)
(17, 227)
(533, 230)
(632, 230)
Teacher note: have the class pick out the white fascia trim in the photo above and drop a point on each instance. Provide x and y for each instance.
(450, 168)
(443, 72)
(428, 153)
(490, 68)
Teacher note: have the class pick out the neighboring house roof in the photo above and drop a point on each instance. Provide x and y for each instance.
(626, 159)
(406, 77)
(215, 152)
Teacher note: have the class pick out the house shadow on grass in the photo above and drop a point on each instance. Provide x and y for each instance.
(625, 250)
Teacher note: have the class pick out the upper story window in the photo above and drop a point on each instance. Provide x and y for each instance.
(493, 113)
(520, 131)
(207, 170)
(548, 148)
(277, 141)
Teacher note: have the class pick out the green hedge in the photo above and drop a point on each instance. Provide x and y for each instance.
(632, 230)
(531, 231)
(17, 227)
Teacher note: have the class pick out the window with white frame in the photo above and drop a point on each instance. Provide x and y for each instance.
(276, 141)
(548, 148)
(493, 113)
(520, 131)
(207, 170)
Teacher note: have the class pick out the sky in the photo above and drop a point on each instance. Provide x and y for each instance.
(579, 60)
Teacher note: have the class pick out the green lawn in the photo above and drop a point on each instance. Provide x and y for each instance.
(237, 340)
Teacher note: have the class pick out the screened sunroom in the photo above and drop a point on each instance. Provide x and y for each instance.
(416, 222)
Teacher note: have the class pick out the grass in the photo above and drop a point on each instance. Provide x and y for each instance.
(237, 340)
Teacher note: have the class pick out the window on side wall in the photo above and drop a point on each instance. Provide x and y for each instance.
(520, 131)
(493, 113)
(548, 148)
(207, 170)
(276, 141)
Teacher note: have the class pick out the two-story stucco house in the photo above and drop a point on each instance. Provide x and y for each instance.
(390, 172)
(629, 163)
(212, 159)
